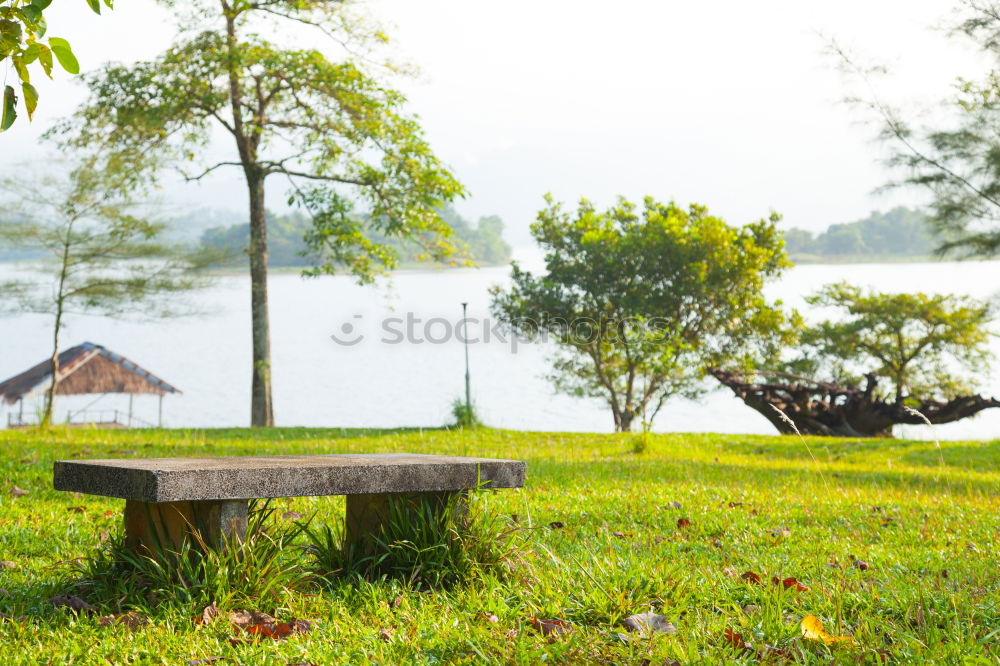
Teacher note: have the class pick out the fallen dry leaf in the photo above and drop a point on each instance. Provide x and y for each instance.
(385, 634)
(293, 515)
(731, 572)
(7, 564)
(551, 627)
(132, 620)
(261, 625)
(733, 505)
(75, 604)
(77, 509)
(557, 525)
(780, 531)
(673, 505)
(620, 535)
(751, 578)
(17, 492)
(208, 613)
(812, 629)
(682, 523)
(861, 564)
(788, 583)
(398, 601)
(736, 640)
(244, 618)
(649, 622)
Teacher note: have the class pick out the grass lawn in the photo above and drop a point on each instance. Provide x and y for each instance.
(925, 521)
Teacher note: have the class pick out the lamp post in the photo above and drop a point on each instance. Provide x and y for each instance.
(465, 336)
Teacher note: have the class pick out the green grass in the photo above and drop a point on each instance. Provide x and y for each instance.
(908, 509)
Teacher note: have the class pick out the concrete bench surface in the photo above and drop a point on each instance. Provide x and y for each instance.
(156, 480)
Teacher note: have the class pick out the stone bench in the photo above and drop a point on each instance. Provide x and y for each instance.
(166, 498)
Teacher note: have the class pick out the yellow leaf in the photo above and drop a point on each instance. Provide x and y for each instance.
(813, 629)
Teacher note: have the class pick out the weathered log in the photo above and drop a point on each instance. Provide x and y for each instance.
(804, 405)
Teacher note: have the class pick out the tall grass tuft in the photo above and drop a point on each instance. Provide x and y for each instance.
(464, 414)
(262, 568)
(423, 544)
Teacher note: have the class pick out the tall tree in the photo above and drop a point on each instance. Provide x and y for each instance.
(98, 253)
(640, 303)
(330, 129)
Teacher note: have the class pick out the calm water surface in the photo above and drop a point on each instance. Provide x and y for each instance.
(388, 372)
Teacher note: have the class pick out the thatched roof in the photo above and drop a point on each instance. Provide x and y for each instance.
(86, 368)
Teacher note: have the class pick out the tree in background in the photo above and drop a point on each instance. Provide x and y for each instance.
(22, 29)
(286, 234)
(927, 349)
(100, 254)
(640, 303)
(957, 162)
(900, 232)
(330, 130)
(928, 345)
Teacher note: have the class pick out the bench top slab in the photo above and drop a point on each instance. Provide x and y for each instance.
(247, 477)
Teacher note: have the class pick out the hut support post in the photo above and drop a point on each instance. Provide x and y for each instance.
(130, 396)
(160, 419)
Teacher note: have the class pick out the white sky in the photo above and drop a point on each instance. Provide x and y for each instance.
(728, 103)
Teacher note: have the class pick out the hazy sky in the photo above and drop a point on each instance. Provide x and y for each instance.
(732, 104)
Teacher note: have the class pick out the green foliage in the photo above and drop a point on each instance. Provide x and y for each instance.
(927, 346)
(901, 232)
(287, 240)
(641, 303)
(263, 568)
(22, 26)
(331, 130)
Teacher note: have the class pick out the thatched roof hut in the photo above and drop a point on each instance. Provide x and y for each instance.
(85, 369)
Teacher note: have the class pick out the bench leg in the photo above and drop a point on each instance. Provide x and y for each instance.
(368, 515)
(152, 528)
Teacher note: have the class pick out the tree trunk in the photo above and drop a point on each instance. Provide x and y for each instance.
(625, 420)
(50, 396)
(261, 412)
(804, 406)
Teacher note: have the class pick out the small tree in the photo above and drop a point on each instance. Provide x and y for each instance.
(928, 350)
(99, 254)
(641, 303)
(330, 130)
(924, 345)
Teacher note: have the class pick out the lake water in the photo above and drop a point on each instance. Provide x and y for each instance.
(375, 379)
